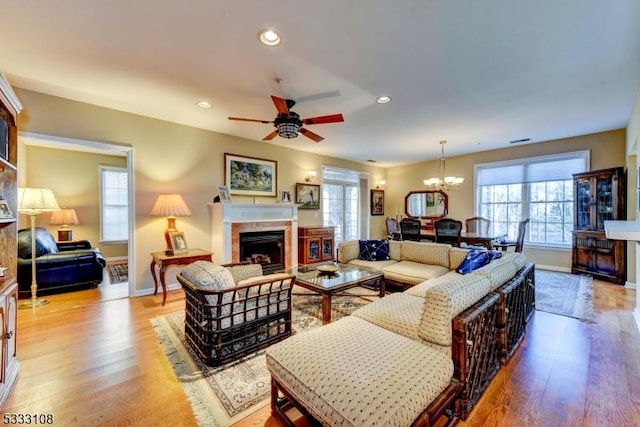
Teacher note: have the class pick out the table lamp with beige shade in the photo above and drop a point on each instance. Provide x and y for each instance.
(33, 202)
(64, 217)
(170, 206)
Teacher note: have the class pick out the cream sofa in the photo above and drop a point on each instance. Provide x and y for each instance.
(405, 359)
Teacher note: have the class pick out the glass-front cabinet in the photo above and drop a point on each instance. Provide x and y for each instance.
(599, 196)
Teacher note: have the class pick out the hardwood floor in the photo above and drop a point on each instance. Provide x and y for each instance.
(91, 361)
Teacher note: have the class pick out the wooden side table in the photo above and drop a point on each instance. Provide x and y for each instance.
(164, 261)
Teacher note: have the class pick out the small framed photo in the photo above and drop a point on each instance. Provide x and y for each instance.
(178, 242)
(225, 195)
(285, 196)
(5, 212)
(308, 196)
(377, 202)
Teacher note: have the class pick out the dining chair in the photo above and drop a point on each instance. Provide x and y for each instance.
(518, 243)
(393, 230)
(477, 224)
(410, 229)
(448, 231)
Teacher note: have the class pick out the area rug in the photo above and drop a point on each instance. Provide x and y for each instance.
(221, 396)
(118, 273)
(565, 294)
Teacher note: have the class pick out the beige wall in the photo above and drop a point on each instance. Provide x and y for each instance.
(607, 150)
(633, 148)
(171, 158)
(73, 177)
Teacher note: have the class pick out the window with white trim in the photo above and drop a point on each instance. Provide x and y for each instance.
(114, 204)
(341, 202)
(538, 188)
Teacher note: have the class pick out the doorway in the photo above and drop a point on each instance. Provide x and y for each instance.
(26, 139)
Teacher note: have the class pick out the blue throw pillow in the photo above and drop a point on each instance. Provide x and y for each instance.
(374, 250)
(494, 255)
(474, 260)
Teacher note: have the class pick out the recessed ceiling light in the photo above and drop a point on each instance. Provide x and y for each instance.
(204, 104)
(269, 37)
(383, 99)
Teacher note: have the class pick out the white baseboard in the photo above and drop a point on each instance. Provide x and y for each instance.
(117, 258)
(553, 268)
(630, 285)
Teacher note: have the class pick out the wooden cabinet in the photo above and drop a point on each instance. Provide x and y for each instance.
(315, 244)
(9, 109)
(599, 196)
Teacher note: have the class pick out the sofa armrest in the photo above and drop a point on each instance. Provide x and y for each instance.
(70, 246)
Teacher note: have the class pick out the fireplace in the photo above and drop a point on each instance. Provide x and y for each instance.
(230, 220)
(263, 247)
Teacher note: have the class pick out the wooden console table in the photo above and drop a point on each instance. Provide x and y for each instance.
(163, 260)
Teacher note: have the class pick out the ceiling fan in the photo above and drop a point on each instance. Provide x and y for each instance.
(288, 123)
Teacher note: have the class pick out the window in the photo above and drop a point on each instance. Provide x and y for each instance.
(114, 207)
(539, 188)
(341, 202)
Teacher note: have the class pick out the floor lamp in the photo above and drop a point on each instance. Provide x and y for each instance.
(33, 202)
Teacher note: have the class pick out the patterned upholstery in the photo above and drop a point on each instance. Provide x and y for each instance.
(206, 275)
(456, 256)
(426, 253)
(498, 272)
(354, 373)
(412, 272)
(420, 290)
(399, 312)
(447, 299)
(245, 271)
(348, 251)
(377, 265)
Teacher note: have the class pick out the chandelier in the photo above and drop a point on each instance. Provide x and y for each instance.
(446, 183)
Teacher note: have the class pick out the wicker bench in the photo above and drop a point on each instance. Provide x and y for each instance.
(233, 310)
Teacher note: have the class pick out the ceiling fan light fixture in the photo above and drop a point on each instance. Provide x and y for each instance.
(288, 130)
(383, 99)
(269, 37)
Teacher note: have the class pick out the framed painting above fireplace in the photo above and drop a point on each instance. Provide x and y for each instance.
(250, 176)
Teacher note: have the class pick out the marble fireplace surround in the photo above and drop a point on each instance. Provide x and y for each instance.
(228, 220)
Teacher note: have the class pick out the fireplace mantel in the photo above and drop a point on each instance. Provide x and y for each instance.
(228, 219)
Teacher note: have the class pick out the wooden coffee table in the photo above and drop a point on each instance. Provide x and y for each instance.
(347, 277)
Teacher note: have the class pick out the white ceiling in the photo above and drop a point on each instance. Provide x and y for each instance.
(475, 73)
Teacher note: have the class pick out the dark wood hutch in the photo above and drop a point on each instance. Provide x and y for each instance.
(9, 109)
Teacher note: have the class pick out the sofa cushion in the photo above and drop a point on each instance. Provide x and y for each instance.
(245, 271)
(456, 256)
(448, 299)
(374, 250)
(399, 312)
(352, 372)
(498, 272)
(206, 275)
(426, 253)
(348, 251)
(376, 265)
(473, 261)
(412, 272)
(420, 290)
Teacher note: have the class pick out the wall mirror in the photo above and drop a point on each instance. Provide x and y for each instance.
(426, 204)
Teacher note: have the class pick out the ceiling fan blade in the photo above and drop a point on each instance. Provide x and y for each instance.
(270, 136)
(281, 105)
(310, 135)
(333, 118)
(249, 120)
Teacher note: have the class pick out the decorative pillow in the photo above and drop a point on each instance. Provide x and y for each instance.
(374, 250)
(474, 260)
(206, 275)
(494, 255)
